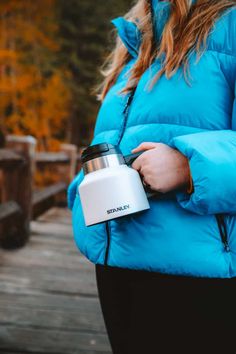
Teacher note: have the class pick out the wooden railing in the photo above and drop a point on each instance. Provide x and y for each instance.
(20, 202)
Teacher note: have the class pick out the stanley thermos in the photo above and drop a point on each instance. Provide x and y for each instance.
(110, 188)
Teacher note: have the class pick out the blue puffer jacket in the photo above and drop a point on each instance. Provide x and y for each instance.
(186, 234)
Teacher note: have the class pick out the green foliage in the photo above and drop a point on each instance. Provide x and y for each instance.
(86, 35)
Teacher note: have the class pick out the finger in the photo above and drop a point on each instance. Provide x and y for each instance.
(144, 146)
(137, 164)
(145, 182)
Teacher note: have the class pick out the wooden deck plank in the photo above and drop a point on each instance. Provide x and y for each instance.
(52, 228)
(78, 281)
(38, 257)
(52, 341)
(60, 216)
(48, 297)
(86, 317)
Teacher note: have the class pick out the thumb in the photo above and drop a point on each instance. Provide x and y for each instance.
(145, 146)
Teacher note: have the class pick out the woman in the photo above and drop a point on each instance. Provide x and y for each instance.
(166, 276)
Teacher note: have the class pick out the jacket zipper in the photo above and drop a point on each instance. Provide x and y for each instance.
(126, 114)
(223, 231)
(108, 242)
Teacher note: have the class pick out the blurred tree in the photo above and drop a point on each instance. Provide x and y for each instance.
(34, 97)
(50, 55)
(85, 33)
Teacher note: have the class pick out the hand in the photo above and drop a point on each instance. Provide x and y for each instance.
(163, 168)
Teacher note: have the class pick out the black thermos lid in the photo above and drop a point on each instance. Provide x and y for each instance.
(99, 150)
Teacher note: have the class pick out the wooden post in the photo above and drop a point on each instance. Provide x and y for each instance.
(71, 151)
(66, 172)
(19, 187)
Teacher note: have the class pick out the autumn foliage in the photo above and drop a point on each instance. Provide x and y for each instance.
(50, 55)
(35, 97)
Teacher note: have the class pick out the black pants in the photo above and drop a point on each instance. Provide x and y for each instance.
(149, 313)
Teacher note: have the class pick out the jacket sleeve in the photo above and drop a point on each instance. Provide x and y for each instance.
(72, 189)
(212, 160)
(190, 183)
(212, 154)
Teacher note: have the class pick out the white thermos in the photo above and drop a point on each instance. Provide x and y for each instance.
(110, 188)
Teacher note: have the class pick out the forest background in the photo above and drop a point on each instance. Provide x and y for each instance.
(50, 55)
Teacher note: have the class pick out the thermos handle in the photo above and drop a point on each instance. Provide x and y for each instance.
(129, 159)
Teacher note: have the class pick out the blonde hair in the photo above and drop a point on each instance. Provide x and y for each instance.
(186, 30)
